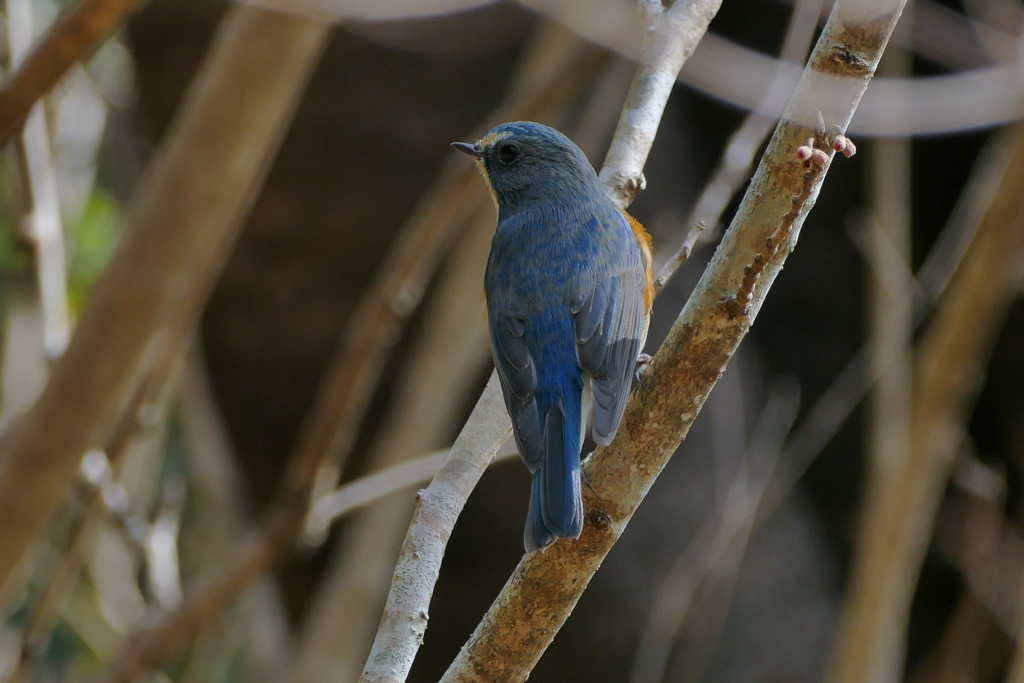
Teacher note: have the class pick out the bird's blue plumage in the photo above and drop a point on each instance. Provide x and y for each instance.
(565, 287)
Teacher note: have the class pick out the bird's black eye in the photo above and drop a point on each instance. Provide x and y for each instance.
(508, 153)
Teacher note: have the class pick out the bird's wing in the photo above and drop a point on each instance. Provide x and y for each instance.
(610, 326)
(518, 377)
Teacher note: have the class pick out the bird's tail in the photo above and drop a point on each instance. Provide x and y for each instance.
(556, 503)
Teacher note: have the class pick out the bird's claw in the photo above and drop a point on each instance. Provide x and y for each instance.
(643, 361)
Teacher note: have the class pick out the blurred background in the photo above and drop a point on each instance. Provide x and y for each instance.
(738, 566)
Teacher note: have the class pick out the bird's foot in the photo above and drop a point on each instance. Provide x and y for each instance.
(643, 362)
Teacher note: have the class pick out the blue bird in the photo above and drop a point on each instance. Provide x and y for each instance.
(569, 291)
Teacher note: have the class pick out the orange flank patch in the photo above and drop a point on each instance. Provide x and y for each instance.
(647, 247)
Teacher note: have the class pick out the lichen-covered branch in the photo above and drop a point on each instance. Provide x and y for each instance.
(545, 587)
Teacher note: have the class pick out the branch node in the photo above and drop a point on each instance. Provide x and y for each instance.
(598, 519)
(650, 12)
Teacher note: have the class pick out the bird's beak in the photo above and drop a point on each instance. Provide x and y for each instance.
(471, 150)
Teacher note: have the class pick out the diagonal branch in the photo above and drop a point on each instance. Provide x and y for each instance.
(672, 36)
(545, 587)
(75, 34)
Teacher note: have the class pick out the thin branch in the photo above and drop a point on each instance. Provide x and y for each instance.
(41, 222)
(370, 488)
(738, 158)
(544, 588)
(437, 507)
(681, 255)
(672, 36)
(179, 230)
(73, 37)
(891, 292)
(152, 399)
(899, 519)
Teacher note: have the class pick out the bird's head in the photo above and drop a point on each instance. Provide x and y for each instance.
(525, 161)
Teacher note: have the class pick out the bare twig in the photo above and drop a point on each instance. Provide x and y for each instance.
(73, 37)
(372, 487)
(672, 36)
(41, 222)
(738, 158)
(147, 406)
(437, 508)
(899, 519)
(680, 256)
(891, 292)
(179, 229)
(546, 585)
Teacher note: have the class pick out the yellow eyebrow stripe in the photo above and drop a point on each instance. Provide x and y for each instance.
(493, 138)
